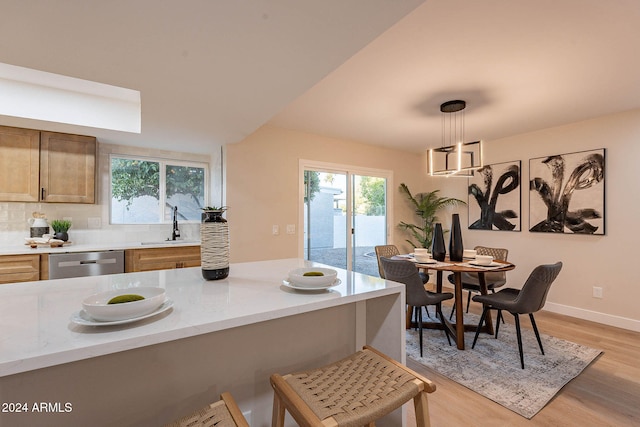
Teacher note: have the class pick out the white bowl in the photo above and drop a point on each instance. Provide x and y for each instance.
(484, 259)
(422, 258)
(298, 278)
(469, 253)
(97, 308)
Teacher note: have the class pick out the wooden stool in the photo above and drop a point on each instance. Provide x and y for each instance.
(354, 391)
(223, 413)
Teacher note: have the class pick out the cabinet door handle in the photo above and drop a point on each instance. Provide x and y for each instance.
(42, 193)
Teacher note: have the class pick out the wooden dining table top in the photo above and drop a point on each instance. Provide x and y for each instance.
(464, 266)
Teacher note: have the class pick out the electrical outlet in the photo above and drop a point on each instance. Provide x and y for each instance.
(275, 230)
(291, 229)
(597, 292)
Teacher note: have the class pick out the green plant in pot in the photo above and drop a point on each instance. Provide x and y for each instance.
(426, 207)
(60, 228)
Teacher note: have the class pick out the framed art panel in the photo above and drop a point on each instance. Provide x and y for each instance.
(567, 193)
(494, 197)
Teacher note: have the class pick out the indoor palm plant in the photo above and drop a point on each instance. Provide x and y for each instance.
(61, 227)
(426, 206)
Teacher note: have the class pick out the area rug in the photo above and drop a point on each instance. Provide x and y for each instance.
(493, 367)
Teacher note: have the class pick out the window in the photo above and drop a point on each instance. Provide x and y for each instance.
(145, 190)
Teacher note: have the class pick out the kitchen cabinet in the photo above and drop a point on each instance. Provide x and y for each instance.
(161, 258)
(19, 165)
(39, 166)
(19, 268)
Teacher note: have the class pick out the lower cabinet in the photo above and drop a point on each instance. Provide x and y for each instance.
(19, 268)
(161, 258)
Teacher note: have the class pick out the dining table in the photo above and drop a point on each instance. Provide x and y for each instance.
(456, 330)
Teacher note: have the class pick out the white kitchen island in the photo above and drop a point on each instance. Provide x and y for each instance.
(227, 335)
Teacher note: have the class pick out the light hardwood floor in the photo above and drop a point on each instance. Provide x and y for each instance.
(606, 393)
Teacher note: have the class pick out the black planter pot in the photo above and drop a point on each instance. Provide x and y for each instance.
(456, 250)
(438, 251)
(63, 235)
(214, 245)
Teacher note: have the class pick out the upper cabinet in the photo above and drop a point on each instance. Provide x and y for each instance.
(46, 166)
(19, 165)
(67, 168)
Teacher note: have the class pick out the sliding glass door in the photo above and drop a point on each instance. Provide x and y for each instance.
(344, 216)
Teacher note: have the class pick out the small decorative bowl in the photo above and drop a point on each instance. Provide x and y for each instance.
(298, 278)
(423, 257)
(484, 259)
(97, 307)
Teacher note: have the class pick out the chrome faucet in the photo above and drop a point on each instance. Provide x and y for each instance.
(176, 231)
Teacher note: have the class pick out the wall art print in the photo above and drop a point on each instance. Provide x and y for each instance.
(567, 193)
(494, 197)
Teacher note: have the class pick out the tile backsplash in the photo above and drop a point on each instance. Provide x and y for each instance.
(14, 226)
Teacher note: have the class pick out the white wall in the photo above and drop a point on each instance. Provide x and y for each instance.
(263, 186)
(602, 261)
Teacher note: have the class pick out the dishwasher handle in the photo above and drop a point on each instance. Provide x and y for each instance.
(76, 263)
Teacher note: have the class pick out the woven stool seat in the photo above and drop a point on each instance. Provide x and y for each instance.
(223, 413)
(354, 391)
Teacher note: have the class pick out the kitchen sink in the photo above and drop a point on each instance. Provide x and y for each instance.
(169, 242)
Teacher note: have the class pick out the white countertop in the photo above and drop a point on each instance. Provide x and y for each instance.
(22, 249)
(36, 330)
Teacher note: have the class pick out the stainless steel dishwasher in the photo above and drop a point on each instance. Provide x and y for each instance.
(79, 264)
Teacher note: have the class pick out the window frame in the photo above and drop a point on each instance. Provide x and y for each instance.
(163, 162)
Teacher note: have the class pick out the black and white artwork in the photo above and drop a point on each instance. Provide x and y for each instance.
(494, 197)
(567, 193)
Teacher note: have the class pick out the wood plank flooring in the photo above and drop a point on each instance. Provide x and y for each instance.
(607, 393)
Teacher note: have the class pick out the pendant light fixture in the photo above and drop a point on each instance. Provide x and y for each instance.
(454, 157)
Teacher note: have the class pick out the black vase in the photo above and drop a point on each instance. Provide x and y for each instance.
(438, 251)
(456, 249)
(214, 245)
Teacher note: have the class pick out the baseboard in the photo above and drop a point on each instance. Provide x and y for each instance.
(580, 313)
(594, 316)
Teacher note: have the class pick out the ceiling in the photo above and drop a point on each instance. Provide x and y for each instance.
(375, 71)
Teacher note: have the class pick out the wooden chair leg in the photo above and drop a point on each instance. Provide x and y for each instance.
(277, 416)
(498, 322)
(535, 329)
(421, 407)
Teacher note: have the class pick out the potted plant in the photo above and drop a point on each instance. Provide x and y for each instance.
(426, 206)
(61, 227)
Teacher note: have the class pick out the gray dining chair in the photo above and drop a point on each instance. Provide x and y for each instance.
(494, 280)
(406, 272)
(528, 300)
(389, 251)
